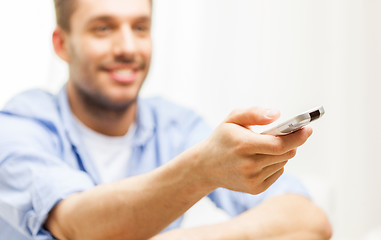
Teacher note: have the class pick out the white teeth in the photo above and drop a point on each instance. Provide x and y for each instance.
(124, 72)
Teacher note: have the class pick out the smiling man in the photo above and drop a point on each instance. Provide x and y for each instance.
(96, 161)
(108, 48)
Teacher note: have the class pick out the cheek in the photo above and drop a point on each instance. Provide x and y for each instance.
(93, 50)
(88, 50)
(84, 61)
(147, 51)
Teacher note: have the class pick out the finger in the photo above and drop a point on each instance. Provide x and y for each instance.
(277, 145)
(271, 179)
(264, 160)
(272, 169)
(268, 182)
(253, 116)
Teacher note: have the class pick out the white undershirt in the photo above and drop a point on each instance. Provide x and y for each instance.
(110, 155)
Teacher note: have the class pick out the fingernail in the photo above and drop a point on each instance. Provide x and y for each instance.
(270, 113)
(310, 131)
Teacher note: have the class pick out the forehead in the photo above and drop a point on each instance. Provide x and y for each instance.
(89, 9)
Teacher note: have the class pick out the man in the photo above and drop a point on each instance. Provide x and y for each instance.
(97, 162)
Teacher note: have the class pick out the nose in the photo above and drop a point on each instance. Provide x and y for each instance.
(125, 42)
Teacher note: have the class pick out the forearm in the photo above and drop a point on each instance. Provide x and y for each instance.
(286, 217)
(135, 208)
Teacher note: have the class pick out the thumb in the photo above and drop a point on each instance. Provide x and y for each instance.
(253, 116)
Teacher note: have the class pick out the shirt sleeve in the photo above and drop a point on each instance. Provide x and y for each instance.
(33, 176)
(199, 130)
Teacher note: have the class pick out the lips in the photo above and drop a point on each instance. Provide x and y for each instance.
(123, 74)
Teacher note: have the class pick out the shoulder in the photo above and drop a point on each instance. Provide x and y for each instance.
(180, 125)
(165, 112)
(34, 103)
(32, 114)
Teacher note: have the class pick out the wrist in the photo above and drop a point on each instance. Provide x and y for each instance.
(195, 171)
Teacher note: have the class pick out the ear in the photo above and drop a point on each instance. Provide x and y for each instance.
(60, 43)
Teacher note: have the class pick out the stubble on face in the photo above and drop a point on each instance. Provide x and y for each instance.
(92, 66)
(92, 96)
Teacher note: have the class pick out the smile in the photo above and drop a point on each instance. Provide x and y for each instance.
(126, 75)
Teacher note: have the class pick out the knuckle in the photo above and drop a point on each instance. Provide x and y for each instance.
(255, 185)
(278, 148)
(243, 147)
(252, 189)
(258, 189)
(254, 192)
(292, 153)
(248, 169)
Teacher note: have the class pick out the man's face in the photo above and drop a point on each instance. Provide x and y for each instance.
(109, 50)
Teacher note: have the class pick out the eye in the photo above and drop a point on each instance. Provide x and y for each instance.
(103, 28)
(142, 29)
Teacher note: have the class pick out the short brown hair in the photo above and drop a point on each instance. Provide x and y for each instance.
(64, 10)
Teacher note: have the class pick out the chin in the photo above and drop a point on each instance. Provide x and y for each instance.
(123, 101)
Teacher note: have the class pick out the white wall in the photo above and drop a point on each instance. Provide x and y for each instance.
(25, 46)
(217, 55)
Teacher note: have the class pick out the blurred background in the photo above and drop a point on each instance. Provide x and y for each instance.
(218, 55)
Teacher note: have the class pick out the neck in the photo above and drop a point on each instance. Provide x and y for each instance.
(111, 122)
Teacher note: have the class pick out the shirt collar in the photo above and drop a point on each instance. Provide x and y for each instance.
(73, 135)
(145, 121)
(145, 124)
(67, 117)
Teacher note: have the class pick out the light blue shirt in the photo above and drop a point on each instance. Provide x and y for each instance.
(43, 160)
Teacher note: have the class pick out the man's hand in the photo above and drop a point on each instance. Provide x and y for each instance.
(236, 158)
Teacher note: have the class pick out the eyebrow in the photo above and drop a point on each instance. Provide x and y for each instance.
(107, 18)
